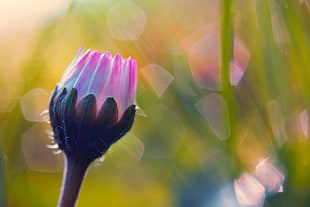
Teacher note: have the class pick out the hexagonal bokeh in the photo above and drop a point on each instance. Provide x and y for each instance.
(37, 155)
(270, 176)
(249, 191)
(33, 103)
(304, 122)
(214, 109)
(130, 24)
(204, 60)
(276, 122)
(158, 141)
(129, 149)
(158, 77)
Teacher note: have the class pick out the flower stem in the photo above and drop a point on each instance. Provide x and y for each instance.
(227, 50)
(75, 169)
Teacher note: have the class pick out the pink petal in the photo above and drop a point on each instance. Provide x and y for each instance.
(132, 85)
(74, 69)
(114, 83)
(124, 83)
(83, 80)
(98, 82)
(103, 76)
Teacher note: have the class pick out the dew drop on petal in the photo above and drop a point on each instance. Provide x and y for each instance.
(33, 103)
(304, 121)
(249, 191)
(271, 178)
(140, 112)
(276, 121)
(52, 146)
(101, 159)
(126, 20)
(38, 157)
(45, 116)
(214, 109)
(50, 133)
(158, 78)
(57, 152)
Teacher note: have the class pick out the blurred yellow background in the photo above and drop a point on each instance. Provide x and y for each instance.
(187, 145)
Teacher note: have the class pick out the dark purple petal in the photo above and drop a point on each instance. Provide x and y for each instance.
(107, 116)
(57, 110)
(124, 125)
(51, 108)
(86, 116)
(70, 124)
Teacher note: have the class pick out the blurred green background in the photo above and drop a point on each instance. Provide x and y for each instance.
(194, 133)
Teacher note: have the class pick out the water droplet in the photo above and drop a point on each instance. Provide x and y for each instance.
(52, 146)
(57, 152)
(45, 116)
(140, 112)
(49, 132)
(101, 159)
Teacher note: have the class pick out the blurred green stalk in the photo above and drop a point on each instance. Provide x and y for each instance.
(227, 39)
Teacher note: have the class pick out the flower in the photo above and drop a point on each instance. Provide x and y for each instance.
(93, 105)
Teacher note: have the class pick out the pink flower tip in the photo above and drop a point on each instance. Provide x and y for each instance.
(103, 76)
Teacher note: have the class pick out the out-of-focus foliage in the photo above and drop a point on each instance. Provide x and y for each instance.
(192, 144)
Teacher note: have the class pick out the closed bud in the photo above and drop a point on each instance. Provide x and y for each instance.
(93, 105)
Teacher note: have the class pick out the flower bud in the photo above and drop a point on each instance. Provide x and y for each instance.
(93, 104)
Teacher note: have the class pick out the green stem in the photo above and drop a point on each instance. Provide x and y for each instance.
(227, 41)
(74, 172)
